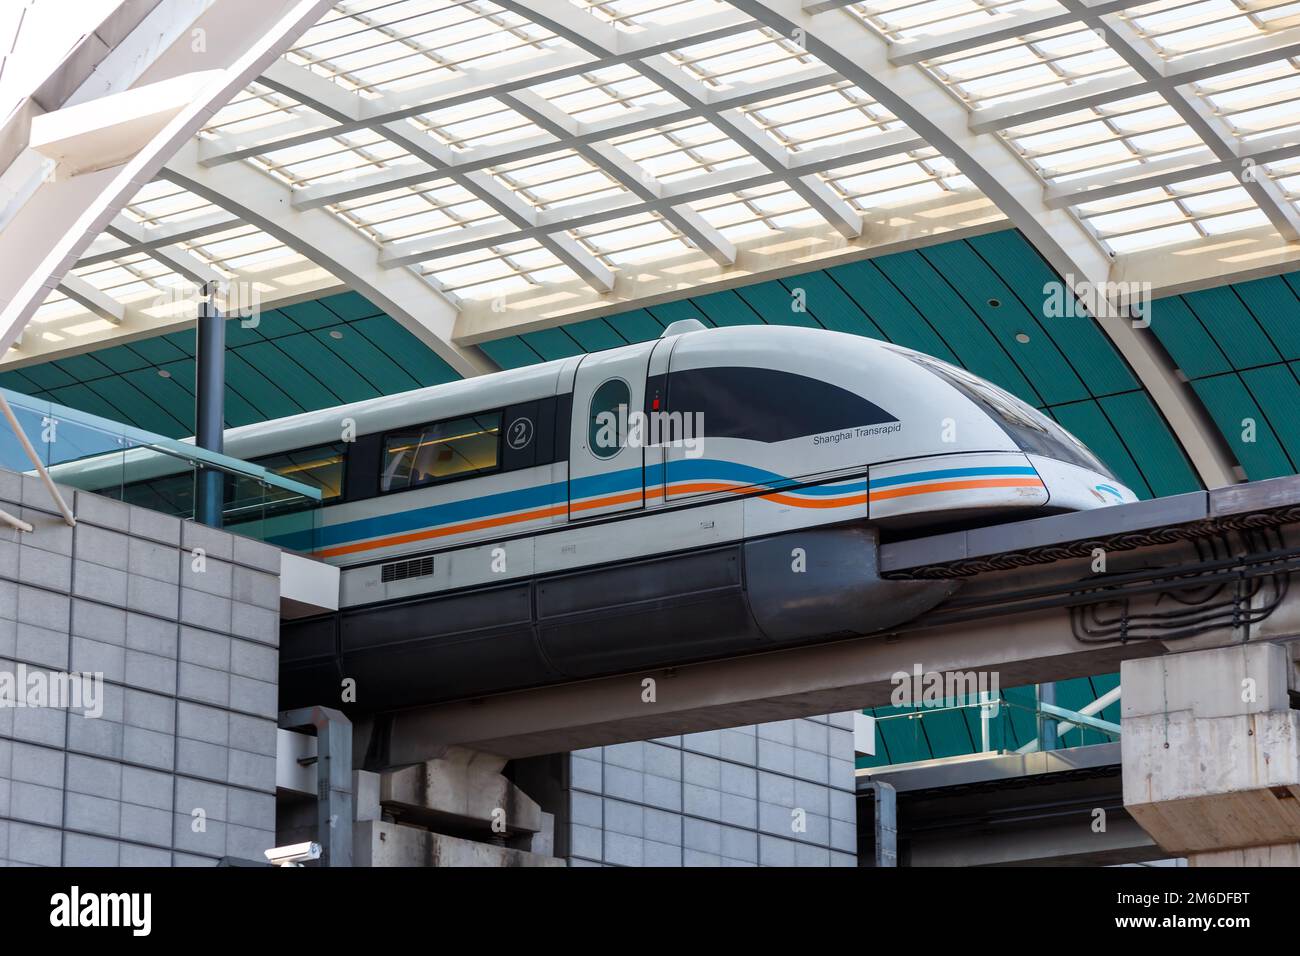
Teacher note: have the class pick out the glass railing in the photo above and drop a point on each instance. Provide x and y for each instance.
(117, 461)
(959, 728)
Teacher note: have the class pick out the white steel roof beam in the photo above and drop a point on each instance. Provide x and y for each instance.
(1196, 113)
(632, 176)
(733, 180)
(1107, 89)
(88, 297)
(328, 98)
(1169, 171)
(584, 30)
(332, 244)
(483, 157)
(175, 258)
(832, 207)
(470, 85)
(1007, 27)
(138, 238)
(43, 240)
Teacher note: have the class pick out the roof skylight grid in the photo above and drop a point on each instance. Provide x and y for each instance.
(912, 19)
(1093, 139)
(493, 145)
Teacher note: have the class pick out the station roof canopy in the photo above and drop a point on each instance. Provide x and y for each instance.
(484, 168)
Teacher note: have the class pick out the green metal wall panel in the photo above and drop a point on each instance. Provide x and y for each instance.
(1004, 317)
(1234, 410)
(968, 338)
(1192, 348)
(1235, 330)
(1275, 306)
(1234, 342)
(1080, 340)
(1149, 442)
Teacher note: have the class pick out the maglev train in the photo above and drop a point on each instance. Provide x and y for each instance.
(714, 492)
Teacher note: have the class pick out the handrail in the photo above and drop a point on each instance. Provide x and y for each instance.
(140, 444)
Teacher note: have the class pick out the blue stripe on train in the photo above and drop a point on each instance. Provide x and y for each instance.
(556, 493)
(945, 473)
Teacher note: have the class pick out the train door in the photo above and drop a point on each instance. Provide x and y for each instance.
(607, 436)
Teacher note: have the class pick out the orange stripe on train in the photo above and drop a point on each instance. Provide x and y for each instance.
(700, 487)
(478, 525)
(925, 489)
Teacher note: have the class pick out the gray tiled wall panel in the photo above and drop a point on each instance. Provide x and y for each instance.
(777, 794)
(179, 769)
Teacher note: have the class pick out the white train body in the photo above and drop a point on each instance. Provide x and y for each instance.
(915, 449)
(811, 440)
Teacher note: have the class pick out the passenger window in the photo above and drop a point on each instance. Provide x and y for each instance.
(441, 451)
(608, 417)
(320, 467)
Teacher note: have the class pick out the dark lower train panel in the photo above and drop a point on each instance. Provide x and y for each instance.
(790, 589)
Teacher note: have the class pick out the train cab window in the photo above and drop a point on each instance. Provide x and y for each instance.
(767, 405)
(320, 467)
(1034, 432)
(441, 451)
(607, 418)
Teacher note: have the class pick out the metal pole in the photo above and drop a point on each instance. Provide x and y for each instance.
(886, 822)
(1088, 710)
(209, 404)
(1047, 735)
(333, 779)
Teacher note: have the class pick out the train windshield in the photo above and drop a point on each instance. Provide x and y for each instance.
(1034, 432)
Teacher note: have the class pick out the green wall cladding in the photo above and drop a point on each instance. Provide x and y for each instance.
(297, 358)
(1239, 345)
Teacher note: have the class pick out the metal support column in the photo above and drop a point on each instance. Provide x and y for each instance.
(209, 404)
(333, 779)
(886, 822)
(1048, 739)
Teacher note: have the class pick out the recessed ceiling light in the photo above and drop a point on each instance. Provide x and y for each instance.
(336, 334)
(163, 373)
(995, 302)
(1022, 338)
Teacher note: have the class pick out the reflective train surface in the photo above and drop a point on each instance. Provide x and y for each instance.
(710, 493)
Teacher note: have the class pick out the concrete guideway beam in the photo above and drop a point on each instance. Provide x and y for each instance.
(848, 675)
(1027, 623)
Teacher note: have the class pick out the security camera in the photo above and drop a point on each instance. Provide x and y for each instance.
(294, 855)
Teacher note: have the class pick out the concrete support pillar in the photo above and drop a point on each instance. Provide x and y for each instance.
(457, 809)
(209, 405)
(1211, 754)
